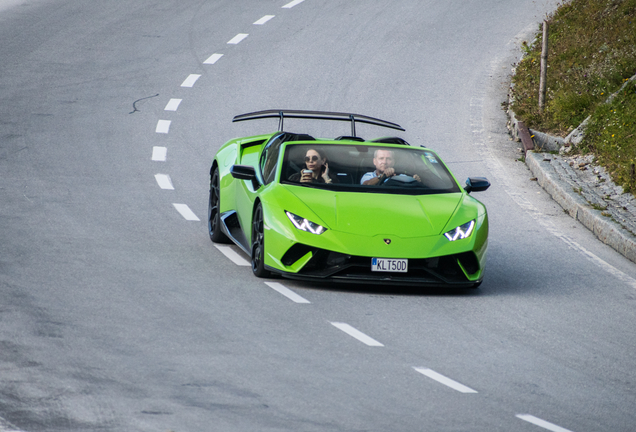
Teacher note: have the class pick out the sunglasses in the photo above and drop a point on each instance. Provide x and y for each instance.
(311, 159)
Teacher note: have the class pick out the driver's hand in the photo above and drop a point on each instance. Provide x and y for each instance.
(417, 178)
(389, 172)
(306, 178)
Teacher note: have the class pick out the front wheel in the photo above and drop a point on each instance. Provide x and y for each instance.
(258, 244)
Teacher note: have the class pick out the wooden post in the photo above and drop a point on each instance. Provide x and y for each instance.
(544, 67)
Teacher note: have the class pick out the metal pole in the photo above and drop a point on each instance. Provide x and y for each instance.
(544, 67)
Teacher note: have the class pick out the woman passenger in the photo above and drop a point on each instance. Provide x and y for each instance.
(316, 171)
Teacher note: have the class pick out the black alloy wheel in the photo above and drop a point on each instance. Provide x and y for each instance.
(258, 245)
(214, 216)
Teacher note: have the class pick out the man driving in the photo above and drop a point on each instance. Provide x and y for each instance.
(384, 161)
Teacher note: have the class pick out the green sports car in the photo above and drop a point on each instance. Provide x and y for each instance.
(346, 209)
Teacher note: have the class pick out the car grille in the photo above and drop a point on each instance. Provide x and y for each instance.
(326, 264)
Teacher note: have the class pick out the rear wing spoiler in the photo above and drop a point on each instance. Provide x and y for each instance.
(317, 115)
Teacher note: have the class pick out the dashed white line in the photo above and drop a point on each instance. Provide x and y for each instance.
(5, 426)
(444, 380)
(233, 256)
(542, 423)
(292, 4)
(186, 212)
(172, 105)
(287, 292)
(213, 59)
(163, 126)
(237, 39)
(190, 80)
(353, 332)
(263, 20)
(164, 182)
(159, 154)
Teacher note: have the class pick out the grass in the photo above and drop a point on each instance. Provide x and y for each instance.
(592, 54)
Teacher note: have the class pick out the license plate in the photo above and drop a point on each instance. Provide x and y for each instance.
(389, 265)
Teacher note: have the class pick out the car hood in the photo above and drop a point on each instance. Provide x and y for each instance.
(372, 214)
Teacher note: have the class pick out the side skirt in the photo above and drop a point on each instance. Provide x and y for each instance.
(231, 227)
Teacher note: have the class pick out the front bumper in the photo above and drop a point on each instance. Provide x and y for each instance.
(459, 270)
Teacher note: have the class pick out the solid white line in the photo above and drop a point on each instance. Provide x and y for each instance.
(542, 423)
(356, 334)
(159, 154)
(173, 104)
(238, 38)
(5, 426)
(495, 166)
(163, 126)
(213, 59)
(233, 256)
(264, 20)
(287, 292)
(164, 182)
(444, 380)
(186, 212)
(190, 80)
(292, 4)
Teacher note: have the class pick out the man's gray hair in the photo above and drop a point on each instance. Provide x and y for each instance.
(375, 153)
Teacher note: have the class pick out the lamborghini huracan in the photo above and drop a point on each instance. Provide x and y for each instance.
(346, 209)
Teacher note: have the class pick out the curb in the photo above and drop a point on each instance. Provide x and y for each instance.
(604, 228)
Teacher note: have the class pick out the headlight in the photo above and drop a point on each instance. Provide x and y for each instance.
(305, 225)
(461, 232)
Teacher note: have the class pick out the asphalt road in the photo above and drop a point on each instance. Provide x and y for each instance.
(118, 313)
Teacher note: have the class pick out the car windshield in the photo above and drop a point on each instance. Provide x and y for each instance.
(366, 168)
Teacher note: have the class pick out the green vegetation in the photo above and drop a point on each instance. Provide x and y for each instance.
(592, 54)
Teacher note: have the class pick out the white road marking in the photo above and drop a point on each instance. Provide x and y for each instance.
(356, 334)
(618, 274)
(186, 212)
(6, 4)
(542, 423)
(264, 20)
(292, 4)
(164, 182)
(172, 105)
(287, 292)
(5, 426)
(159, 154)
(163, 126)
(190, 80)
(213, 59)
(233, 256)
(497, 168)
(444, 380)
(238, 38)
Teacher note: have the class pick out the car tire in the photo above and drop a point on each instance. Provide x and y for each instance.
(258, 244)
(214, 216)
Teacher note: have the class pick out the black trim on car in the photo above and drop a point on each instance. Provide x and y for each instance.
(231, 227)
(281, 114)
(334, 266)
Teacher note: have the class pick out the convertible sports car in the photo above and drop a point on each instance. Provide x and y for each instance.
(346, 209)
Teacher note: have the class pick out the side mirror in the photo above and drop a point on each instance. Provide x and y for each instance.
(476, 184)
(245, 172)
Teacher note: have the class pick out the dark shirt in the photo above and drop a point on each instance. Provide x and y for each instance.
(296, 178)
